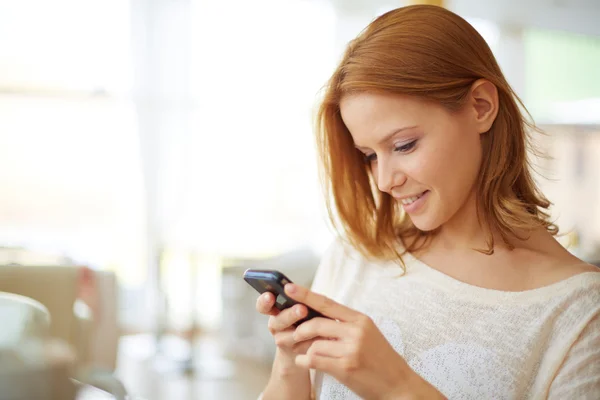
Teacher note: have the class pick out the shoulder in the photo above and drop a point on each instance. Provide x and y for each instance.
(331, 261)
(341, 251)
(548, 262)
(339, 264)
(573, 266)
(565, 267)
(566, 271)
(582, 290)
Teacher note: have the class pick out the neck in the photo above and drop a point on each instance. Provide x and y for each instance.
(464, 231)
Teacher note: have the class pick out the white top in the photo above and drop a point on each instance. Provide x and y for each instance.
(471, 342)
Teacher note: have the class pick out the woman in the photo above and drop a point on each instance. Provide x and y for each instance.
(448, 281)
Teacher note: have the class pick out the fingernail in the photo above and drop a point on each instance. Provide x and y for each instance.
(290, 288)
(298, 311)
(264, 298)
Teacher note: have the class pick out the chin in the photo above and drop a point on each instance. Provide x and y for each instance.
(425, 224)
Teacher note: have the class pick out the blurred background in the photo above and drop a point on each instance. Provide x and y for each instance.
(151, 150)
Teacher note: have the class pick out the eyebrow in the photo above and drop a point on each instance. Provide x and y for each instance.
(388, 136)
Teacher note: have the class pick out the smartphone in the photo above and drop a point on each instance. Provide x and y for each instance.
(266, 280)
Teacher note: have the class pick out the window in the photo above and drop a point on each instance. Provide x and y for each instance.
(69, 154)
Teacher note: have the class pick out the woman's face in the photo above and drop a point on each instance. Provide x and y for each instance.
(425, 157)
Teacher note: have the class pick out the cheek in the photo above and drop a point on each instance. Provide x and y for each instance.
(425, 165)
(447, 168)
(458, 169)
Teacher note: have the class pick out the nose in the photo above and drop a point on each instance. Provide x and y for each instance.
(388, 176)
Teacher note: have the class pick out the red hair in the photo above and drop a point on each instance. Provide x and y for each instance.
(432, 54)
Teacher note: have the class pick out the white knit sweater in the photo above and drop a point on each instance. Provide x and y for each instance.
(467, 341)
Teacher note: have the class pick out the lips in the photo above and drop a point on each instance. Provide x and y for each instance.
(414, 204)
(411, 199)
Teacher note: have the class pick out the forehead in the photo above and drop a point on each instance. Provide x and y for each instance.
(365, 106)
(374, 114)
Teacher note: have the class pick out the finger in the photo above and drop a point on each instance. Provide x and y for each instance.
(338, 367)
(328, 348)
(326, 364)
(320, 303)
(285, 339)
(321, 327)
(265, 303)
(287, 318)
(302, 347)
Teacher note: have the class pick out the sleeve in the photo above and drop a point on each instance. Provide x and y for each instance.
(579, 375)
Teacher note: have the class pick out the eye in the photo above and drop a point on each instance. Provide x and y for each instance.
(405, 148)
(369, 158)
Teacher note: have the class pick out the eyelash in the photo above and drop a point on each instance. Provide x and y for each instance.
(405, 148)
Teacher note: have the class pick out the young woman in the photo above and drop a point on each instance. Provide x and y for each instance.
(447, 280)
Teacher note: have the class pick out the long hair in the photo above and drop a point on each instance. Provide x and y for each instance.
(432, 54)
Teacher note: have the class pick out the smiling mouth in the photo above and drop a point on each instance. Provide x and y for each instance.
(412, 199)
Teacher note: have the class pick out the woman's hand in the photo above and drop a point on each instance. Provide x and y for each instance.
(288, 381)
(281, 325)
(355, 352)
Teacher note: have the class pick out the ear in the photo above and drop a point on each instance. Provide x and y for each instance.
(483, 102)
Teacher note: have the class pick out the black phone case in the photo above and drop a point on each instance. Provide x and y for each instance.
(274, 281)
